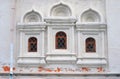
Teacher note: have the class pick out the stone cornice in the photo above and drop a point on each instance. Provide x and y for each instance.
(67, 73)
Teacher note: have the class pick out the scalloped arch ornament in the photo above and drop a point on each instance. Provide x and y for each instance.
(90, 16)
(60, 10)
(32, 16)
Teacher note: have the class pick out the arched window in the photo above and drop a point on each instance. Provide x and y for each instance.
(90, 45)
(32, 44)
(61, 40)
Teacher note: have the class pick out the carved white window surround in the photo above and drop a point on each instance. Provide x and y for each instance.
(68, 25)
(26, 31)
(98, 32)
(60, 55)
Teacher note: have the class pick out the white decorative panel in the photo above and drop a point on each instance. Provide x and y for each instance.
(32, 17)
(90, 16)
(26, 57)
(60, 10)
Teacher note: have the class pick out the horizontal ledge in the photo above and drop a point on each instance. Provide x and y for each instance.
(91, 30)
(31, 64)
(91, 57)
(61, 61)
(69, 73)
(31, 24)
(91, 23)
(59, 54)
(66, 24)
(61, 73)
(91, 64)
(31, 56)
(60, 19)
(4, 73)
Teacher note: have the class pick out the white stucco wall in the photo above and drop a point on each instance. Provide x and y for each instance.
(113, 21)
(6, 21)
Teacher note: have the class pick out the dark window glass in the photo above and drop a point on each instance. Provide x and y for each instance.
(32, 44)
(61, 40)
(90, 45)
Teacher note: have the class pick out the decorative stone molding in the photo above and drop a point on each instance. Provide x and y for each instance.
(59, 55)
(91, 26)
(27, 60)
(60, 20)
(92, 62)
(97, 31)
(32, 16)
(90, 16)
(61, 10)
(25, 31)
(29, 26)
(61, 58)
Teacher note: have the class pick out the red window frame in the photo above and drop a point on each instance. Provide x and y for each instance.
(61, 40)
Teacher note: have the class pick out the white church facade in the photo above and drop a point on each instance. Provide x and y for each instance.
(59, 39)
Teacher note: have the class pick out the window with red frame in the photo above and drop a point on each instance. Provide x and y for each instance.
(32, 44)
(61, 40)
